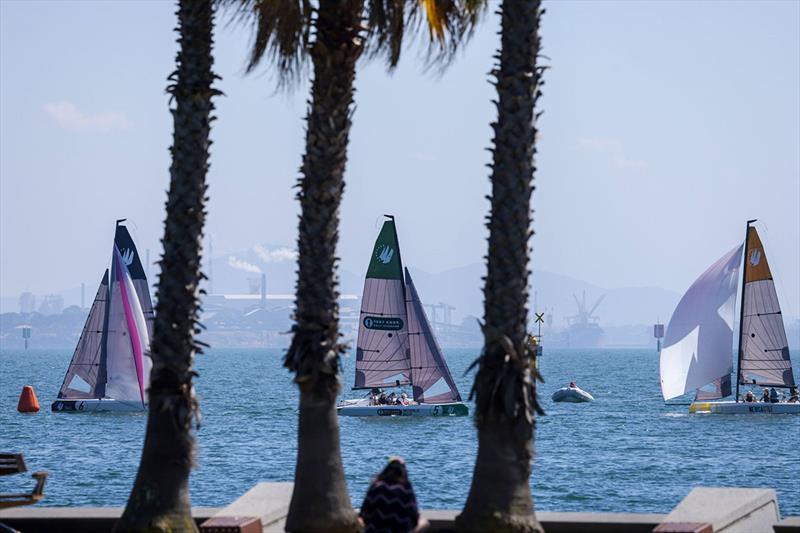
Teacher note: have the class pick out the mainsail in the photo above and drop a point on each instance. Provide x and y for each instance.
(764, 351)
(82, 378)
(382, 355)
(698, 342)
(430, 377)
(127, 248)
(128, 336)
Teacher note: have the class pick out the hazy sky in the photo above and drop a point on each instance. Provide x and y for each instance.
(666, 126)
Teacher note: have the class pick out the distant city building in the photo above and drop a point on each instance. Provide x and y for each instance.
(52, 304)
(27, 302)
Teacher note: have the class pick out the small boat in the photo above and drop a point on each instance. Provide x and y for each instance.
(697, 352)
(396, 346)
(572, 394)
(110, 369)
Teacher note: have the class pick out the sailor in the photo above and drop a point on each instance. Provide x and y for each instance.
(373, 395)
(773, 396)
(793, 398)
(382, 399)
(765, 396)
(403, 399)
(572, 385)
(749, 397)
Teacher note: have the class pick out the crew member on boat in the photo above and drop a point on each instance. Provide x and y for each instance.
(773, 396)
(793, 398)
(749, 397)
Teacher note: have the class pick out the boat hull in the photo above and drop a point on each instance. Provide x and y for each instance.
(572, 395)
(442, 409)
(743, 408)
(96, 405)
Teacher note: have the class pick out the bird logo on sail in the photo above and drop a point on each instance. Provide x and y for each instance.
(127, 256)
(385, 254)
(755, 257)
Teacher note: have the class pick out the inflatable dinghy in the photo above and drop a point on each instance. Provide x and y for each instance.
(572, 394)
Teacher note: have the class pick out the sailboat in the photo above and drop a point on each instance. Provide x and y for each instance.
(110, 369)
(396, 346)
(697, 353)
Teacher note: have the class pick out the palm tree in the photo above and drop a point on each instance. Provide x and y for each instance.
(333, 35)
(159, 500)
(505, 394)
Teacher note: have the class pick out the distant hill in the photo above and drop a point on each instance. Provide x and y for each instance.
(462, 288)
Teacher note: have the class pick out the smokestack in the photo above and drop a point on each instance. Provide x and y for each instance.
(263, 291)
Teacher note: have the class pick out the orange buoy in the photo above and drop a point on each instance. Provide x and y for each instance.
(27, 401)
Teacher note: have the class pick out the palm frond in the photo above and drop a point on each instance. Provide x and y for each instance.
(448, 24)
(281, 33)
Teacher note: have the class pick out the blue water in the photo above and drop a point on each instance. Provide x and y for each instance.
(626, 452)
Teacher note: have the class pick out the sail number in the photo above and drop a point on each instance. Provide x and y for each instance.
(383, 323)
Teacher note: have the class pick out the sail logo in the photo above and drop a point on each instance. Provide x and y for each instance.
(755, 257)
(385, 254)
(383, 323)
(127, 256)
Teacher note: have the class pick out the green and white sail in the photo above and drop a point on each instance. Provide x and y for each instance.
(382, 353)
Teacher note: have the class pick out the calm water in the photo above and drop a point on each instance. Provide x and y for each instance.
(625, 452)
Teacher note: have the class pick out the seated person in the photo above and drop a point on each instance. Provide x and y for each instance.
(572, 385)
(749, 397)
(382, 399)
(403, 399)
(773, 396)
(374, 393)
(390, 503)
(793, 398)
(765, 396)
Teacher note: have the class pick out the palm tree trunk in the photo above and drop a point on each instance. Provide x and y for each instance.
(320, 501)
(500, 497)
(159, 500)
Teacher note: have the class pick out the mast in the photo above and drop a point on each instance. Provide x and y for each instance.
(741, 309)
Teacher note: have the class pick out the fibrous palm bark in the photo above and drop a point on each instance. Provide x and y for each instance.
(500, 497)
(320, 501)
(160, 500)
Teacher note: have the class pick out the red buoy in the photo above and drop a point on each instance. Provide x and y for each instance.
(27, 401)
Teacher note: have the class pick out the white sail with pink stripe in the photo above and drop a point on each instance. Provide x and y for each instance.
(112, 358)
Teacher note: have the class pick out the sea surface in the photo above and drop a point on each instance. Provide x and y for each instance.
(626, 452)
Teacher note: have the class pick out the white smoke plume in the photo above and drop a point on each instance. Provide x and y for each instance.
(278, 255)
(243, 265)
